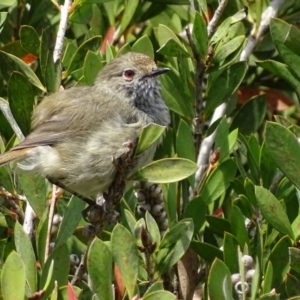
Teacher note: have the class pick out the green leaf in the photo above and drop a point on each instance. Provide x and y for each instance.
(282, 71)
(222, 87)
(219, 276)
(70, 221)
(200, 35)
(196, 209)
(21, 100)
(166, 170)
(3, 16)
(30, 40)
(125, 253)
(279, 32)
(149, 135)
(25, 250)
(13, 277)
(52, 74)
(91, 44)
(294, 258)
(156, 286)
(292, 286)
(82, 13)
(217, 183)
(143, 45)
(169, 43)
(225, 50)
(12, 63)
(238, 226)
(283, 147)
(280, 260)
(60, 256)
(273, 211)
(130, 9)
(7, 2)
(91, 67)
(225, 141)
(99, 265)
(207, 251)
(162, 295)
(185, 141)
(34, 188)
(174, 96)
(267, 167)
(250, 116)
(230, 252)
(174, 244)
(152, 227)
(267, 287)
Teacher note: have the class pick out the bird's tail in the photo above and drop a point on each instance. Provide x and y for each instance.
(12, 155)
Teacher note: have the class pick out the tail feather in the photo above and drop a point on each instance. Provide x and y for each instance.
(12, 155)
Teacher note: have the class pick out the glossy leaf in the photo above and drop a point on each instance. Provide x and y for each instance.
(59, 261)
(29, 39)
(219, 276)
(149, 135)
(207, 251)
(34, 188)
(162, 295)
(230, 252)
(200, 35)
(166, 170)
(21, 100)
(143, 45)
(273, 211)
(13, 63)
(217, 183)
(283, 147)
(13, 277)
(126, 256)
(282, 71)
(294, 258)
(129, 11)
(99, 264)
(280, 260)
(250, 116)
(174, 244)
(224, 85)
(25, 250)
(91, 44)
(152, 227)
(70, 221)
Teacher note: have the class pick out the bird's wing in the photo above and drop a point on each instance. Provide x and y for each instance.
(56, 119)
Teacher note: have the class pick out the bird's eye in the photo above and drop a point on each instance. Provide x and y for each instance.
(128, 74)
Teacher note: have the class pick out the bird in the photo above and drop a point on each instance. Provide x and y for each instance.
(76, 132)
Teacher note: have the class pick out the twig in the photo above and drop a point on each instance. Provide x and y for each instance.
(212, 25)
(219, 112)
(11, 198)
(266, 17)
(50, 219)
(81, 268)
(64, 13)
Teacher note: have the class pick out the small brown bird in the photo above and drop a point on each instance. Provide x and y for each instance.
(76, 132)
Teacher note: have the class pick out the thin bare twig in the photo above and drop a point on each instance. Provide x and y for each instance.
(219, 112)
(212, 25)
(50, 219)
(64, 13)
(11, 198)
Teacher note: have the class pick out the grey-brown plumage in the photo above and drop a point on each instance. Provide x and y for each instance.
(76, 132)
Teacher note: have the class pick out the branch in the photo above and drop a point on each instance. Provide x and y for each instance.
(212, 25)
(64, 13)
(208, 142)
(253, 37)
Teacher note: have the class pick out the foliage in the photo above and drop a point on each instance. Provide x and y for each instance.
(239, 220)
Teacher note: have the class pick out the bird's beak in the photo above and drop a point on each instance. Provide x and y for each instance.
(157, 72)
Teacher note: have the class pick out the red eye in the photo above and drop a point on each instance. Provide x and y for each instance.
(128, 74)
